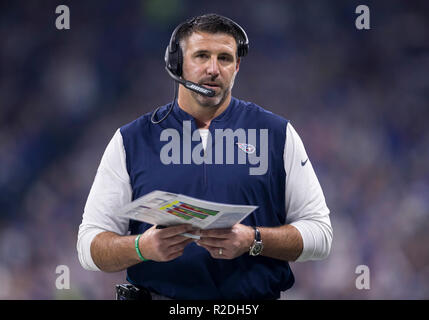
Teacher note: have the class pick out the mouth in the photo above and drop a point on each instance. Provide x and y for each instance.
(210, 85)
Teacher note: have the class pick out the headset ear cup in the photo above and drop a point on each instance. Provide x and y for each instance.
(173, 60)
(167, 58)
(242, 49)
(179, 68)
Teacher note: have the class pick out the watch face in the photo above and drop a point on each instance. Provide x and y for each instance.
(256, 248)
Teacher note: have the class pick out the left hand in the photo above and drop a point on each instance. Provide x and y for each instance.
(227, 243)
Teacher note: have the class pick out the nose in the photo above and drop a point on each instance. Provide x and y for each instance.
(213, 67)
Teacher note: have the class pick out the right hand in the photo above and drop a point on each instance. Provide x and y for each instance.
(163, 245)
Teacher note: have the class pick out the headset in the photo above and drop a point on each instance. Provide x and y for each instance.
(174, 61)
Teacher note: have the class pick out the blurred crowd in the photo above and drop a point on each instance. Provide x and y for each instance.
(358, 99)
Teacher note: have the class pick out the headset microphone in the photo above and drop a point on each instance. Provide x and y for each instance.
(188, 84)
(192, 85)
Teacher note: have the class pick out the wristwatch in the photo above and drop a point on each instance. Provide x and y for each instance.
(257, 246)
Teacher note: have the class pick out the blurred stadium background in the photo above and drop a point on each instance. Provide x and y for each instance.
(359, 100)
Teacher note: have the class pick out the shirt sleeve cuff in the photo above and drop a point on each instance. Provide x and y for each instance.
(85, 239)
(316, 240)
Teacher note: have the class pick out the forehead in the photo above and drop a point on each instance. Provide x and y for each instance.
(216, 42)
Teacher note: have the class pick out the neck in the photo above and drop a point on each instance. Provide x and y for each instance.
(203, 114)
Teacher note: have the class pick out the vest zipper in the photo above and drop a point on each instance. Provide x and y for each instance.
(205, 168)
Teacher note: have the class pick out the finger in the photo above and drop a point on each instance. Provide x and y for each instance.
(213, 242)
(177, 250)
(209, 248)
(179, 247)
(215, 252)
(216, 233)
(174, 255)
(195, 232)
(175, 240)
(174, 230)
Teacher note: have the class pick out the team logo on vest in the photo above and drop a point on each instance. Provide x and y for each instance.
(178, 149)
(248, 148)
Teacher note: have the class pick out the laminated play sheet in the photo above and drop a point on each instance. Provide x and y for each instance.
(167, 209)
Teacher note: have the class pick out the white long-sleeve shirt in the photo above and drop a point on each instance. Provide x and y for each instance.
(306, 207)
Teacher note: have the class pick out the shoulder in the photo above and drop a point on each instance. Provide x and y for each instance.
(136, 125)
(261, 114)
(144, 122)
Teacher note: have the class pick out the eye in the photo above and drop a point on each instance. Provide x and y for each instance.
(202, 55)
(225, 58)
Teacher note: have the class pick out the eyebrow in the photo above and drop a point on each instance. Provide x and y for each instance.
(207, 51)
(201, 51)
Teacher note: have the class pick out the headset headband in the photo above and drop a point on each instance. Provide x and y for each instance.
(173, 55)
(242, 46)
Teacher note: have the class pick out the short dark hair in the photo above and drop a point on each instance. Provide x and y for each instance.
(210, 23)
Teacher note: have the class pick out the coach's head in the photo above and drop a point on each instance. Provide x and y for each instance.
(207, 50)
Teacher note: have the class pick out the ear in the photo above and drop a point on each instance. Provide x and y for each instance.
(237, 66)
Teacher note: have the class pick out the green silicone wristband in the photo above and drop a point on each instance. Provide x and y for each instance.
(136, 244)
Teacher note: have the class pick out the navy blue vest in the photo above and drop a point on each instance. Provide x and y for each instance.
(196, 275)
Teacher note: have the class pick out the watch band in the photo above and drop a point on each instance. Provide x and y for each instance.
(257, 246)
(257, 234)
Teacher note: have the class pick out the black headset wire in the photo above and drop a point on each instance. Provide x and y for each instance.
(176, 87)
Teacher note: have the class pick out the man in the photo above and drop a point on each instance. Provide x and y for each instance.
(292, 220)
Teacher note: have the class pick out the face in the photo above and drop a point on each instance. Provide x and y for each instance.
(210, 60)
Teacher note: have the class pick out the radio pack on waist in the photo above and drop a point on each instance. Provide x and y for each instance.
(128, 291)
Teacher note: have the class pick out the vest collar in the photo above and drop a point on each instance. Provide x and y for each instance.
(182, 115)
